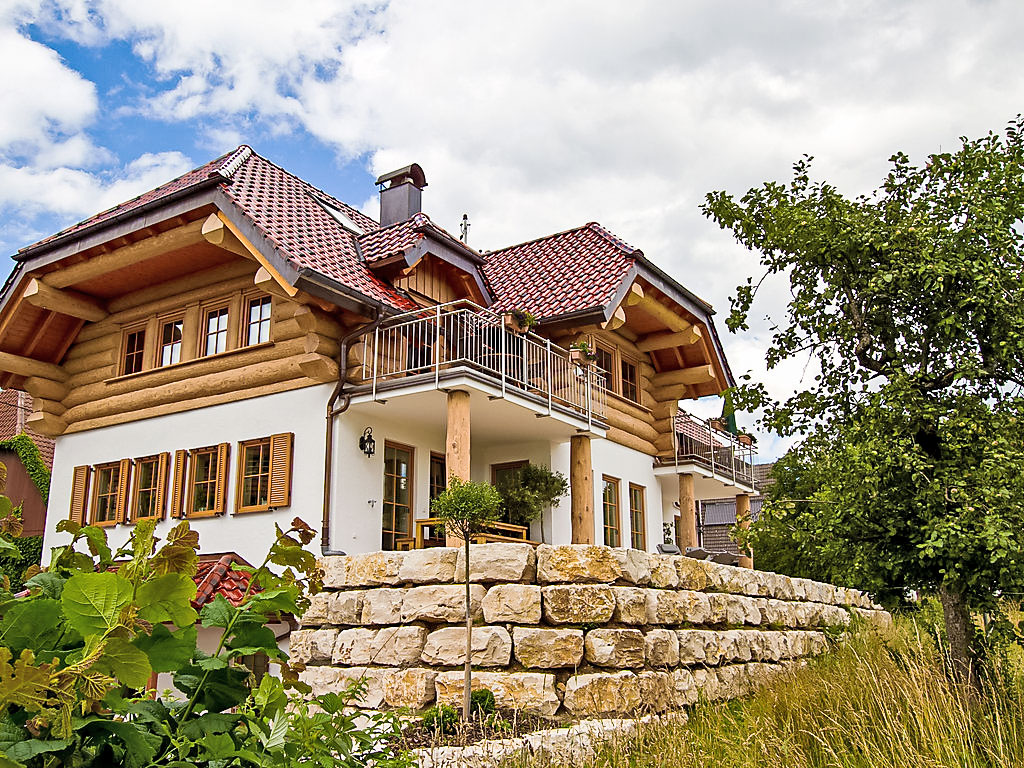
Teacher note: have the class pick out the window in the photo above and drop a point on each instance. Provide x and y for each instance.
(134, 351)
(397, 512)
(204, 494)
(610, 503)
(79, 494)
(606, 362)
(438, 475)
(150, 482)
(215, 334)
(264, 473)
(504, 473)
(258, 322)
(630, 390)
(110, 493)
(637, 506)
(170, 342)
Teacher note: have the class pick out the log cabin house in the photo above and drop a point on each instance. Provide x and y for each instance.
(237, 347)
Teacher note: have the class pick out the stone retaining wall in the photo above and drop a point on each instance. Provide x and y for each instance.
(576, 630)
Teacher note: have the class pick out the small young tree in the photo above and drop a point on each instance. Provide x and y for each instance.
(466, 508)
(529, 491)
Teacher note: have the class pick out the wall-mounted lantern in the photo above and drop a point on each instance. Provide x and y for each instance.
(366, 442)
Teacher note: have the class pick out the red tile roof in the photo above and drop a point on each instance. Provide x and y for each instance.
(15, 406)
(535, 275)
(392, 240)
(217, 577)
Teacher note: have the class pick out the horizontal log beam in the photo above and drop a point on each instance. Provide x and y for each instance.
(654, 341)
(661, 313)
(700, 374)
(46, 389)
(47, 424)
(617, 320)
(26, 366)
(71, 303)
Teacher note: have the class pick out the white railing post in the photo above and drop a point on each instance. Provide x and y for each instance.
(547, 374)
(590, 409)
(376, 353)
(437, 347)
(711, 447)
(502, 352)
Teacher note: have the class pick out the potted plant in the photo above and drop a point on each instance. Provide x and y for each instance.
(580, 353)
(529, 491)
(519, 320)
(745, 439)
(717, 424)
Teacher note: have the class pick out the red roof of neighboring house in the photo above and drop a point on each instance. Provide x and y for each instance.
(217, 577)
(535, 275)
(15, 406)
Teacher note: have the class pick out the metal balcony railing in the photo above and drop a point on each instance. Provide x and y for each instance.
(434, 341)
(702, 442)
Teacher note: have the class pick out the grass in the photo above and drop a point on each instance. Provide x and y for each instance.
(872, 703)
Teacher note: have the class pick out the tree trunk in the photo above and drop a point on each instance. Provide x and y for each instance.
(469, 643)
(959, 633)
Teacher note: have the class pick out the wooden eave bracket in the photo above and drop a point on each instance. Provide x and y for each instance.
(66, 302)
(219, 230)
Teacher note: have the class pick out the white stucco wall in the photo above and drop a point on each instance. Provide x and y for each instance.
(249, 535)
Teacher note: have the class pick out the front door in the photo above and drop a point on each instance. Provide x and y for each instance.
(396, 523)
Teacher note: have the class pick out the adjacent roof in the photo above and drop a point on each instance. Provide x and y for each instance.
(15, 406)
(217, 577)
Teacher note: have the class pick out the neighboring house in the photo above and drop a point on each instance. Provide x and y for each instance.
(237, 348)
(28, 458)
(717, 517)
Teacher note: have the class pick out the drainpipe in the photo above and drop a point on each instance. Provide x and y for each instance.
(325, 531)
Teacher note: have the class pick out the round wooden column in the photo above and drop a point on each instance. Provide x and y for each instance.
(743, 521)
(687, 513)
(456, 444)
(581, 489)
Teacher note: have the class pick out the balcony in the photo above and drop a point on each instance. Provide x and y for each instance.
(722, 456)
(434, 345)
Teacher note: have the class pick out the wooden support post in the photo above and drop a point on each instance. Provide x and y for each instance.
(71, 303)
(581, 487)
(687, 512)
(456, 452)
(743, 522)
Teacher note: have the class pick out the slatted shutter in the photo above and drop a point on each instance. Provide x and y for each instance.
(79, 494)
(178, 483)
(221, 489)
(124, 475)
(281, 469)
(161, 484)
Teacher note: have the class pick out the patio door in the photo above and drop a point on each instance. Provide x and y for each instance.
(397, 513)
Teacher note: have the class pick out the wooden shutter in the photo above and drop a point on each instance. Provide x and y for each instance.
(281, 469)
(221, 489)
(124, 475)
(161, 484)
(178, 483)
(79, 494)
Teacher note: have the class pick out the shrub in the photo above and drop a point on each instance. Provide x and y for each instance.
(441, 718)
(482, 702)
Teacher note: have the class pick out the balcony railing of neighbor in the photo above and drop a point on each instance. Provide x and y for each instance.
(433, 341)
(700, 442)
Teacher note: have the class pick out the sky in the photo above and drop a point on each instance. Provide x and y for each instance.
(530, 117)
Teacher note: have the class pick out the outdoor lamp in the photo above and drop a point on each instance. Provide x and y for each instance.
(366, 442)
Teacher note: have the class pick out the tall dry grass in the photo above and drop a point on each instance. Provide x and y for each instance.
(872, 703)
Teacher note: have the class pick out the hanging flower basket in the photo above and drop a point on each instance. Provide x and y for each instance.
(745, 439)
(518, 321)
(580, 353)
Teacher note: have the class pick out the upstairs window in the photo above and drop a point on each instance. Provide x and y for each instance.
(206, 489)
(216, 332)
(630, 389)
(170, 342)
(606, 362)
(134, 351)
(258, 322)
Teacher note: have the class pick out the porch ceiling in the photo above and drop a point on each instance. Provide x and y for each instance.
(705, 484)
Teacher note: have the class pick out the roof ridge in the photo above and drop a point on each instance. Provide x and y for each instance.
(612, 237)
(537, 239)
(233, 163)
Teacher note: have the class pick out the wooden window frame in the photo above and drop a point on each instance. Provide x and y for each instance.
(411, 482)
(615, 383)
(119, 494)
(280, 450)
(612, 374)
(126, 333)
(633, 532)
(221, 452)
(247, 300)
(617, 507)
(625, 360)
(162, 323)
(204, 328)
(160, 489)
(434, 457)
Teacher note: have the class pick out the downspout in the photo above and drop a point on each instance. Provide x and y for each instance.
(325, 531)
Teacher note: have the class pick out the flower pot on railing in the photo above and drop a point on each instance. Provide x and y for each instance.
(745, 439)
(581, 354)
(717, 424)
(518, 321)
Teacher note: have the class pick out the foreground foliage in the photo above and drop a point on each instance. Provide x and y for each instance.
(78, 652)
(869, 704)
(910, 304)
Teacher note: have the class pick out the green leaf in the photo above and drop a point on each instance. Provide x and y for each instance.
(210, 722)
(212, 662)
(249, 640)
(26, 750)
(168, 598)
(222, 689)
(33, 624)
(7, 549)
(167, 651)
(140, 745)
(124, 661)
(278, 731)
(49, 584)
(92, 602)
(97, 540)
(217, 613)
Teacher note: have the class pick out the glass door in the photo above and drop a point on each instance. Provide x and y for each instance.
(397, 513)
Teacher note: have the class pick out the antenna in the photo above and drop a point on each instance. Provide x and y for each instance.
(464, 229)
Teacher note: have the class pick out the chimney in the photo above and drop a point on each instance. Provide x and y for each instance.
(401, 198)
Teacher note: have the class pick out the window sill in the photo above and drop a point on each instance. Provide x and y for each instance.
(186, 363)
(135, 520)
(200, 515)
(104, 523)
(255, 510)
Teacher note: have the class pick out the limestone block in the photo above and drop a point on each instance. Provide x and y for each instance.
(316, 614)
(345, 608)
(412, 688)
(693, 574)
(354, 646)
(506, 562)
(630, 605)
(736, 645)
(737, 581)
(673, 608)
(685, 690)
(784, 589)
(512, 603)
(800, 589)
(661, 648)
(775, 612)
(602, 694)
(531, 692)
(576, 563)
(615, 647)
(634, 564)
(656, 690)
(382, 606)
(429, 566)
(390, 646)
(751, 607)
(312, 646)
(441, 603)
(340, 679)
(833, 616)
(663, 571)
(548, 648)
(578, 603)
(492, 647)
(725, 609)
(698, 646)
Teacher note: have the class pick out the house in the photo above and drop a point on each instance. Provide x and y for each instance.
(237, 348)
(717, 517)
(28, 458)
